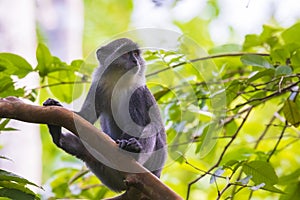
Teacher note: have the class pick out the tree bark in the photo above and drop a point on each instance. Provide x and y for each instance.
(142, 181)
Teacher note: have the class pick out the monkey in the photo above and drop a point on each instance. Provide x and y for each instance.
(128, 113)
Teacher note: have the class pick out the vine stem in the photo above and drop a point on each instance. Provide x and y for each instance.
(207, 58)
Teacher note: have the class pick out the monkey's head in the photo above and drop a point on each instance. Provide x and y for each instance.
(121, 56)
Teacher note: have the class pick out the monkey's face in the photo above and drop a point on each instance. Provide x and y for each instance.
(130, 63)
(120, 57)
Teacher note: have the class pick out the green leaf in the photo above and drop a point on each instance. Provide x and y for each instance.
(44, 59)
(3, 125)
(260, 74)
(7, 88)
(16, 194)
(295, 59)
(8, 176)
(280, 55)
(226, 49)
(251, 40)
(273, 189)
(291, 34)
(77, 64)
(64, 92)
(232, 91)
(16, 186)
(20, 66)
(283, 70)
(256, 60)
(161, 93)
(291, 112)
(261, 172)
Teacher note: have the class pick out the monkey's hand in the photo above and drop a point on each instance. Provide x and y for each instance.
(51, 102)
(132, 145)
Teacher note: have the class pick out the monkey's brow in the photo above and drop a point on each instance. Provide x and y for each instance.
(126, 48)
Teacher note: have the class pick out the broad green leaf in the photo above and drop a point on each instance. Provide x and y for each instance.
(283, 70)
(291, 112)
(63, 86)
(225, 49)
(256, 60)
(295, 59)
(261, 172)
(77, 64)
(16, 194)
(272, 188)
(20, 65)
(232, 91)
(269, 35)
(3, 125)
(260, 74)
(255, 98)
(280, 55)
(161, 93)
(8, 176)
(291, 34)
(251, 40)
(17, 186)
(7, 88)
(44, 59)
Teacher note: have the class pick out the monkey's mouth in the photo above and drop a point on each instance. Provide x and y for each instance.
(134, 69)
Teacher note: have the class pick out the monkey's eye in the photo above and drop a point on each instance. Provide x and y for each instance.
(135, 53)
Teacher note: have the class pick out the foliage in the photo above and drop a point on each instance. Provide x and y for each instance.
(256, 154)
(15, 187)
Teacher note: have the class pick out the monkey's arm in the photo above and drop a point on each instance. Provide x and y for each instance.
(90, 109)
(72, 144)
(66, 141)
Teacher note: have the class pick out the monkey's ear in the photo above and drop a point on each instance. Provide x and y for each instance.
(101, 55)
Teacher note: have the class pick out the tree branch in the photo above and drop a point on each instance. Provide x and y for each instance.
(143, 181)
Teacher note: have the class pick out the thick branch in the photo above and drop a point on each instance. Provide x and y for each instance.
(144, 180)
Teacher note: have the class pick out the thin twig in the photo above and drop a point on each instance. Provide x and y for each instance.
(207, 58)
(221, 156)
(278, 141)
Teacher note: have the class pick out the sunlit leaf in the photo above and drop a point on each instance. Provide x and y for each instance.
(261, 172)
(283, 70)
(265, 73)
(251, 40)
(256, 60)
(280, 55)
(291, 34)
(20, 65)
(44, 59)
(291, 112)
(9, 176)
(295, 59)
(16, 194)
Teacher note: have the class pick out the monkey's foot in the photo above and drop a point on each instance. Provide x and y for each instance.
(51, 102)
(132, 145)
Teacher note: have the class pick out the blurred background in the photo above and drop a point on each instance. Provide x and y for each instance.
(72, 29)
